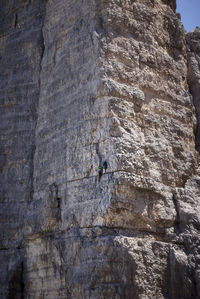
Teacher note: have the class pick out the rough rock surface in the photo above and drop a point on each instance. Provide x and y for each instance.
(87, 81)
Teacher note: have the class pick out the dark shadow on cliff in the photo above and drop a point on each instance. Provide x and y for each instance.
(16, 283)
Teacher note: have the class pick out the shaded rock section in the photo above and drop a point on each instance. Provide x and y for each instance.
(21, 50)
(193, 42)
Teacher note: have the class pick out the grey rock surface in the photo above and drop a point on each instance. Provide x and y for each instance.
(84, 82)
(193, 43)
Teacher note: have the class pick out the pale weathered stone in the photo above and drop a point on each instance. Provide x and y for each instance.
(84, 82)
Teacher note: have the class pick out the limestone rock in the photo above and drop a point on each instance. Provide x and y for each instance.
(82, 83)
(193, 42)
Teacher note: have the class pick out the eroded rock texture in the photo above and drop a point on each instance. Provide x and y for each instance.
(83, 82)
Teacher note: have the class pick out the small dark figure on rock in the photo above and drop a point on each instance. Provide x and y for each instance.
(105, 165)
(100, 172)
(101, 169)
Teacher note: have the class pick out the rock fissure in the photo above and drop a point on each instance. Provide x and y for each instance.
(16, 20)
(177, 222)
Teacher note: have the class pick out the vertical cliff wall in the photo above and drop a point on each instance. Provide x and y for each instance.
(87, 82)
(21, 48)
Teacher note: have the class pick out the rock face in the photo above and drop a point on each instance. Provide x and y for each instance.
(85, 82)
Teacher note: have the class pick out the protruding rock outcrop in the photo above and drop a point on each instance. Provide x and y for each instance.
(84, 82)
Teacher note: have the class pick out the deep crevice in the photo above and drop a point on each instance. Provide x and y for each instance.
(177, 222)
(196, 102)
(42, 50)
(16, 20)
(16, 283)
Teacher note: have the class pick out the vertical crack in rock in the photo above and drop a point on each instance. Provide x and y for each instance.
(16, 17)
(41, 44)
(177, 222)
(22, 285)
